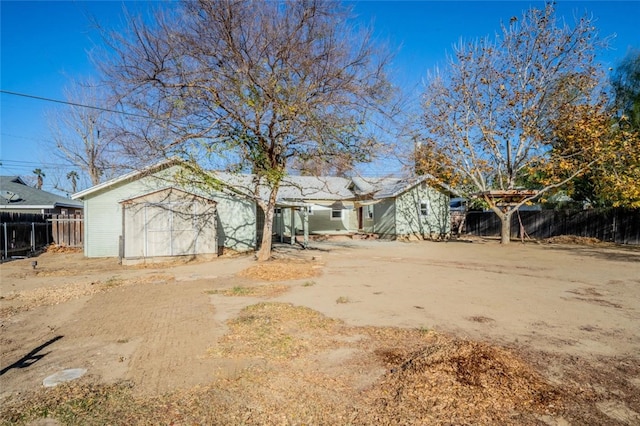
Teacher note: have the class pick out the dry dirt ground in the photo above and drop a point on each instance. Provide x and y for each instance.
(346, 332)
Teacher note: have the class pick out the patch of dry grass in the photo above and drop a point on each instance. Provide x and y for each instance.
(45, 296)
(275, 331)
(270, 290)
(281, 270)
(430, 379)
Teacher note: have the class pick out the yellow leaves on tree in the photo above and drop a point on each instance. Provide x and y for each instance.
(587, 139)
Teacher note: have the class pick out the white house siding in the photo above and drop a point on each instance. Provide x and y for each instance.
(384, 216)
(410, 220)
(320, 220)
(103, 215)
(236, 222)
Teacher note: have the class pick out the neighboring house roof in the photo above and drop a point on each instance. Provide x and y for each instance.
(16, 194)
(293, 188)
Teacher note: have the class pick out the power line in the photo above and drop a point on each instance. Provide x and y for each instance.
(20, 163)
(42, 98)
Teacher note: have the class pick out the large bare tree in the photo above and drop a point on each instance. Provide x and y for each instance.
(82, 133)
(249, 85)
(490, 115)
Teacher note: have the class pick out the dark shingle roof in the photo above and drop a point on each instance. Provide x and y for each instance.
(15, 193)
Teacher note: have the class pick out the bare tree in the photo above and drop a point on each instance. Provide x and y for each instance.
(489, 117)
(83, 135)
(250, 85)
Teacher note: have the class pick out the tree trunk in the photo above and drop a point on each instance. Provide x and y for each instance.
(264, 253)
(505, 230)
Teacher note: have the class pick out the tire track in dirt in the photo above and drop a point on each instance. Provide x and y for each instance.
(167, 326)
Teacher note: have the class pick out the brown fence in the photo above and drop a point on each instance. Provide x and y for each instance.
(621, 226)
(67, 230)
(22, 234)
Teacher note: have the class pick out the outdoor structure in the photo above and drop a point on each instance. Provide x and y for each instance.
(18, 197)
(147, 214)
(135, 215)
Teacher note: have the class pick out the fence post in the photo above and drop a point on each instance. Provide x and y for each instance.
(6, 241)
(33, 237)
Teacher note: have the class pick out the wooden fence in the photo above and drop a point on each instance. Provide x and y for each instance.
(23, 233)
(621, 226)
(67, 230)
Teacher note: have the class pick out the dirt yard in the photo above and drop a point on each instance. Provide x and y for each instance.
(346, 332)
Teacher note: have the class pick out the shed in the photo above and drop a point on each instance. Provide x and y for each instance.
(115, 224)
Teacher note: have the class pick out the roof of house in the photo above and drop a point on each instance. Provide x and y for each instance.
(16, 194)
(315, 188)
(292, 188)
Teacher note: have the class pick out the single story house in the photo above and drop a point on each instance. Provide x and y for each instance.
(388, 207)
(18, 197)
(149, 214)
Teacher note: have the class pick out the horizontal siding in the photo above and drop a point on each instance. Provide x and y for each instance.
(321, 221)
(384, 216)
(411, 221)
(103, 215)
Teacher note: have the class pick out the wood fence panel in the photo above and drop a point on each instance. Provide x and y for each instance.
(617, 225)
(67, 230)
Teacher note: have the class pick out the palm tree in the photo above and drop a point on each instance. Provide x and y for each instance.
(40, 174)
(73, 177)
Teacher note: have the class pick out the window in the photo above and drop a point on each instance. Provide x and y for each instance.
(310, 210)
(424, 208)
(336, 214)
(370, 212)
(277, 211)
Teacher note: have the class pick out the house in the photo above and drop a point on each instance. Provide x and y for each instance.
(148, 214)
(407, 208)
(387, 207)
(18, 197)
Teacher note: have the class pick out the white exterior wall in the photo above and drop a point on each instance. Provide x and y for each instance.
(411, 221)
(320, 220)
(103, 215)
(384, 217)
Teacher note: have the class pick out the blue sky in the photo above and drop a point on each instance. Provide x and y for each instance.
(45, 45)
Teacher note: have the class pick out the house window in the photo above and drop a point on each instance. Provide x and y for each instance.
(277, 211)
(424, 208)
(336, 214)
(370, 212)
(310, 210)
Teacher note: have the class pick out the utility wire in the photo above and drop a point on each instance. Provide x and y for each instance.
(41, 98)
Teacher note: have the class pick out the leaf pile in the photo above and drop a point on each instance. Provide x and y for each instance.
(463, 381)
(573, 239)
(61, 248)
